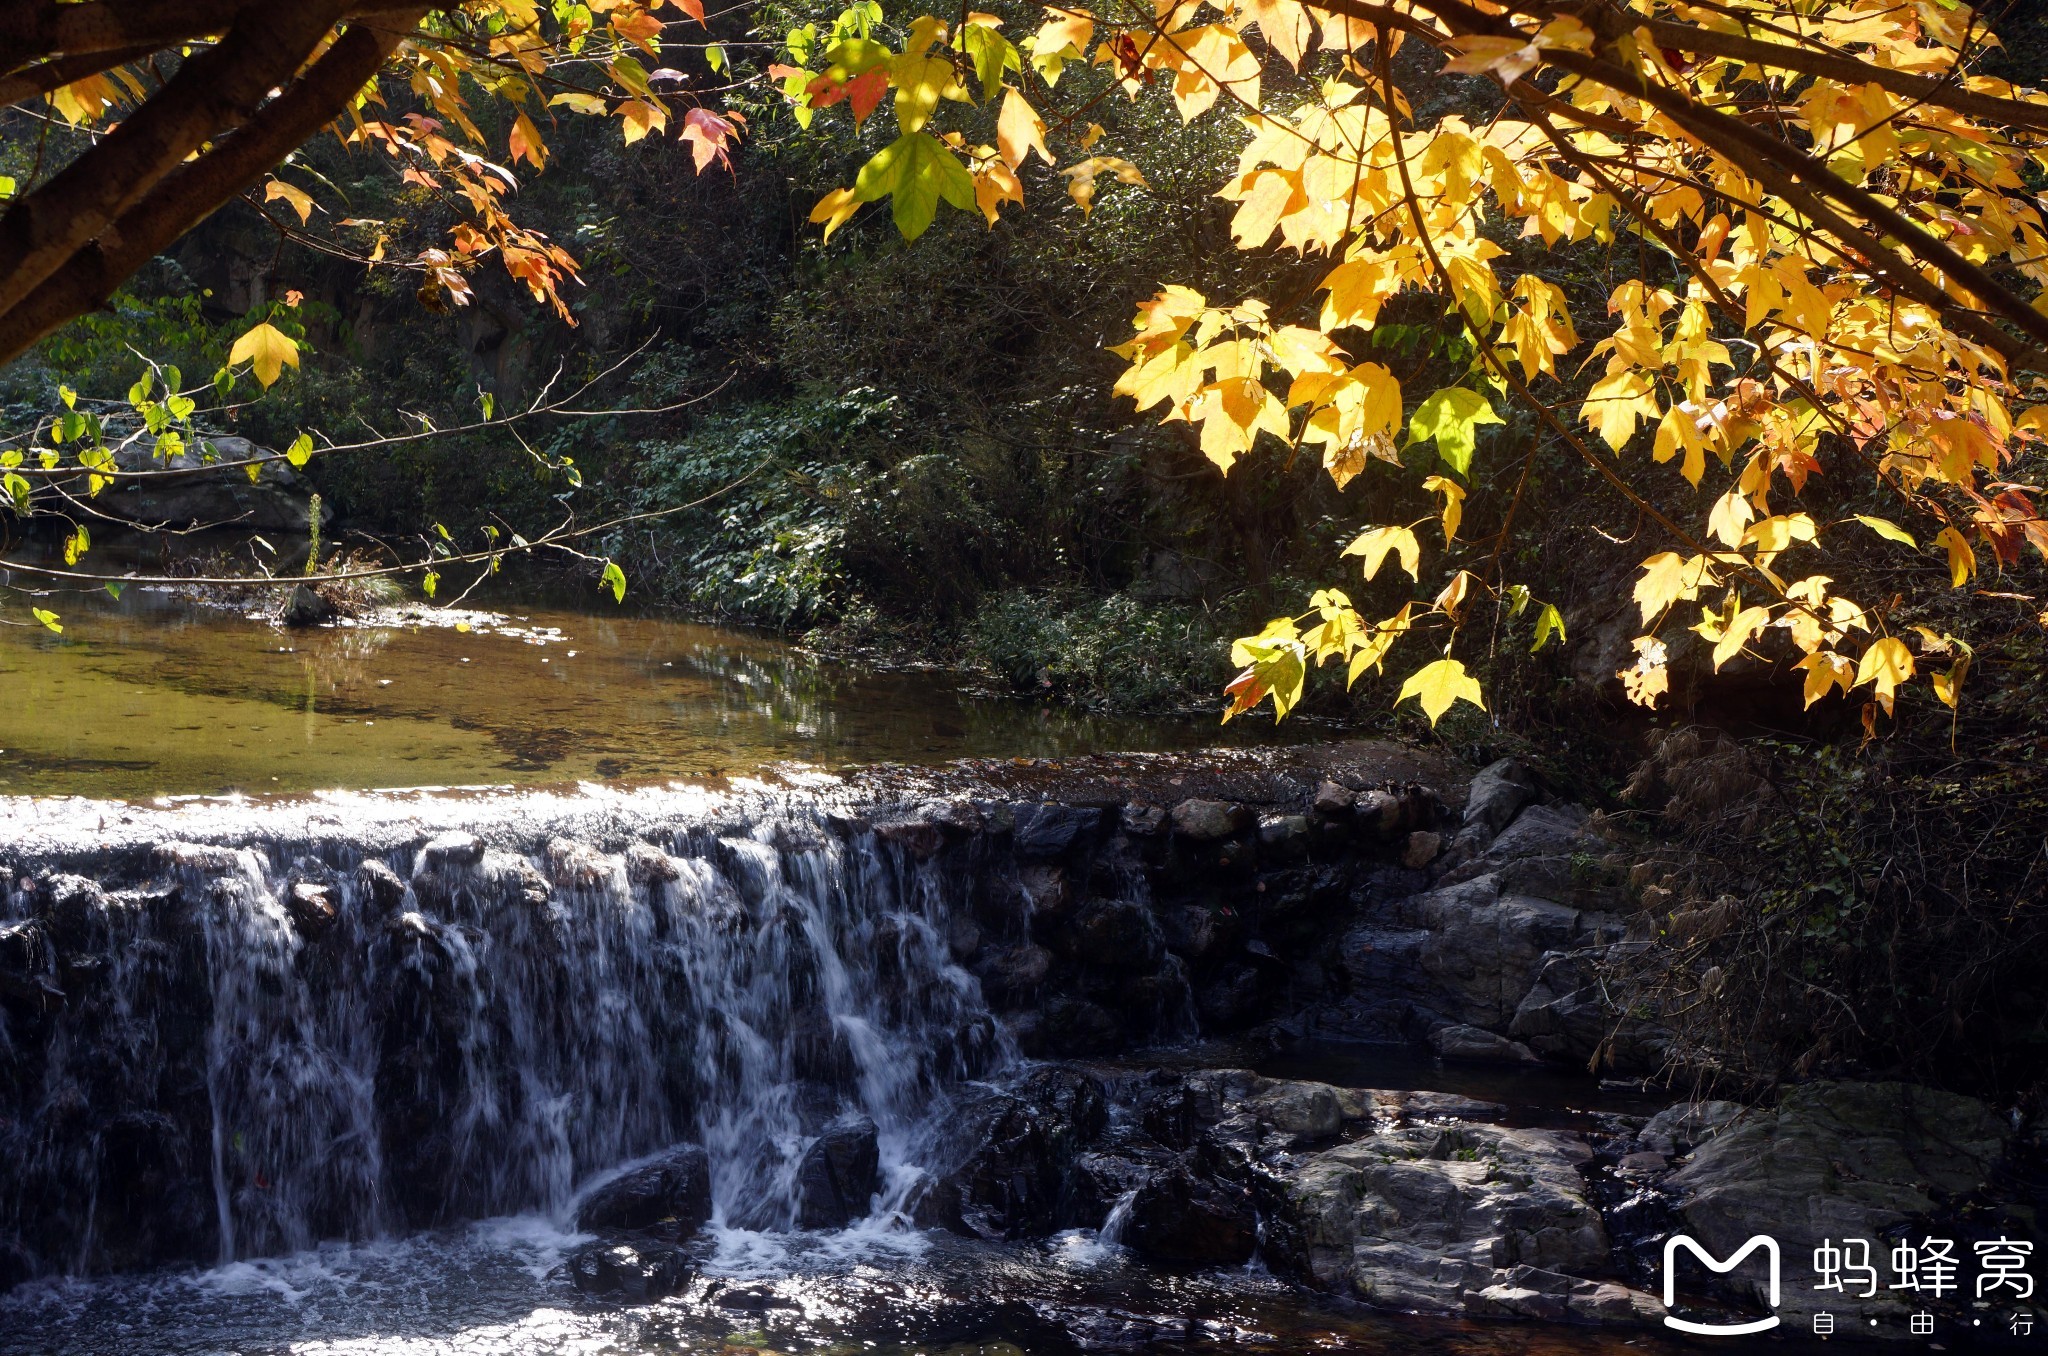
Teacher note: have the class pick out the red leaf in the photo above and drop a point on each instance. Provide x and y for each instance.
(693, 8)
(709, 136)
(863, 92)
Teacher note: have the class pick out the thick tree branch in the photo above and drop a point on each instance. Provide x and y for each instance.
(195, 189)
(214, 92)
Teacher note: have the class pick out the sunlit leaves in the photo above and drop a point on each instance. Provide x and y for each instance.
(268, 351)
(1885, 665)
(1376, 543)
(1439, 686)
(1452, 417)
(614, 579)
(916, 173)
(1274, 665)
(47, 618)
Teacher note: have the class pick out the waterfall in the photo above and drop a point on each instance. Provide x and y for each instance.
(338, 1047)
(1111, 1234)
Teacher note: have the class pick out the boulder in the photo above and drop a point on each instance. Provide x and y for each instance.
(1421, 849)
(919, 837)
(278, 500)
(673, 1188)
(1332, 799)
(451, 849)
(1143, 821)
(1022, 1143)
(1207, 821)
(1498, 793)
(839, 1175)
(1012, 974)
(380, 885)
(1115, 934)
(635, 1274)
(1681, 1129)
(1474, 1045)
(647, 864)
(1284, 837)
(1075, 1026)
(1182, 1216)
(1446, 1218)
(1835, 1160)
(307, 606)
(311, 907)
(1047, 832)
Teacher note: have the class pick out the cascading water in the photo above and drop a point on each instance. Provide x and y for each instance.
(337, 1049)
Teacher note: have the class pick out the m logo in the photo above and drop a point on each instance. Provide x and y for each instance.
(1719, 1268)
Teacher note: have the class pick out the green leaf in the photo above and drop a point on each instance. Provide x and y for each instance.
(1452, 416)
(6, 185)
(77, 544)
(1549, 620)
(301, 450)
(430, 582)
(68, 396)
(138, 394)
(992, 54)
(17, 488)
(113, 590)
(615, 580)
(1518, 599)
(915, 171)
(48, 619)
(714, 57)
(1890, 531)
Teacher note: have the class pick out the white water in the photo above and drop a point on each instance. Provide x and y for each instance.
(491, 1047)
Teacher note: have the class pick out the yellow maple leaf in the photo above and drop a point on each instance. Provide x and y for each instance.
(299, 200)
(1020, 131)
(1375, 543)
(1885, 665)
(267, 349)
(1962, 561)
(1439, 686)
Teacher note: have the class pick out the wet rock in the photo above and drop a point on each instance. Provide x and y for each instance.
(573, 865)
(380, 885)
(1421, 849)
(510, 875)
(307, 606)
(674, 1188)
(1075, 1026)
(921, 838)
(1836, 1160)
(1023, 1142)
(647, 864)
(311, 908)
(1013, 974)
(1050, 831)
(1332, 799)
(1293, 1113)
(28, 964)
(1207, 821)
(963, 937)
(1431, 1216)
(1235, 996)
(1199, 931)
(1182, 1217)
(451, 849)
(1284, 837)
(1530, 1292)
(960, 817)
(839, 1175)
(1473, 1045)
(1045, 890)
(1485, 949)
(1115, 934)
(1143, 821)
(635, 1274)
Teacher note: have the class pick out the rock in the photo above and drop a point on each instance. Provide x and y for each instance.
(1298, 1112)
(28, 964)
(1045, 889)
(1836, 1160)
(1379, 813)
(306, 606)
(1075, 1026)
(573, 865)
(277, 501)
(1180, 1216)
(380, 885)
(1642, 1162)
(1206, 821)
(1432, 1217)
(1199, 932)
(1024, 1142)
(1284, 837)
(637, 1274)
(1485, 949)
(1047, 832)
(647, 864)
(1115, 934)
(839, 1175)
(1474, 1045)
(1143, 821)
(675, 1187)
(452, 849)
(955, 816)
(1680, 1129)
(1498, 793)
(963, 937)
(1012, 974)
(1332, 799)
(1421, 850)
(311, 908)
(921, 838)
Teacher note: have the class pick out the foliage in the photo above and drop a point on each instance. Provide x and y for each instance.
(1835, 255)
(1114, 652)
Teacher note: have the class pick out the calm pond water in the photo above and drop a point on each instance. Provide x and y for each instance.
(153, 696)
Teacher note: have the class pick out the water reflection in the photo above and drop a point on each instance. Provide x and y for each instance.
(151, 695)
